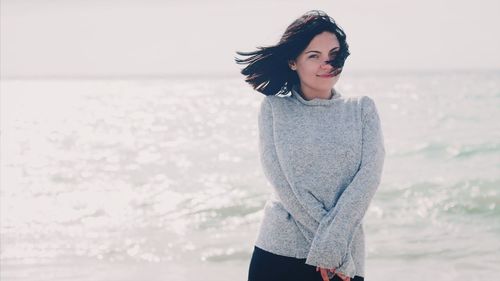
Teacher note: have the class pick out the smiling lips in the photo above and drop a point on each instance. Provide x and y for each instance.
(332, 74)
(326, 76)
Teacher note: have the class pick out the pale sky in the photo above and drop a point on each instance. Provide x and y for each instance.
(70, 38)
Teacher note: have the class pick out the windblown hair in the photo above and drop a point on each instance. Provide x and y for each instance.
(268, 70)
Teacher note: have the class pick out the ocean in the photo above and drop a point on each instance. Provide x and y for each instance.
(159, 179)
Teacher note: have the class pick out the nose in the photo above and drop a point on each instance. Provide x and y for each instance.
(326, 65)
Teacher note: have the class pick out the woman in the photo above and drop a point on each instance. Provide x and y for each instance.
(322, 152)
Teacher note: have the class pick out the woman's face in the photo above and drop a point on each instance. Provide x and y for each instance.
(313, 71)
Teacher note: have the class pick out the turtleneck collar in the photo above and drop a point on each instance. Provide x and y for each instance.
(316, 101)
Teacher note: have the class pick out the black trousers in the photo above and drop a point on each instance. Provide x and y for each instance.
(266, 266)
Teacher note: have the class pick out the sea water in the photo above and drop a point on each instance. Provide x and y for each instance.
(159, 179)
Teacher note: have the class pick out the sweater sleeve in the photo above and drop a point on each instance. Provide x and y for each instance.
(331, 245)
(307, 211)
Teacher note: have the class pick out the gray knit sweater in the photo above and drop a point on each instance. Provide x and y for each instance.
(324, 160)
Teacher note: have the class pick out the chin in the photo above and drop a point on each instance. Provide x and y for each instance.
(327, 85)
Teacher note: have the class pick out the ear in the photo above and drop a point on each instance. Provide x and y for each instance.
(292, 65)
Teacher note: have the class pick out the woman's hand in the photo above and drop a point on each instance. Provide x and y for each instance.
(324, 274)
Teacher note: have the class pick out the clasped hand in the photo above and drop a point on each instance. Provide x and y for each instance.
(324, 274)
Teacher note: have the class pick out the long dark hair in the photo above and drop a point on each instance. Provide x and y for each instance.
(268, 71)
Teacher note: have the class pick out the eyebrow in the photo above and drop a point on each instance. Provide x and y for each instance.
(313, 51)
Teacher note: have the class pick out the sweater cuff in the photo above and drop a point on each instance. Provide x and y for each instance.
(330, 260)
(348, 267)
(326, 256)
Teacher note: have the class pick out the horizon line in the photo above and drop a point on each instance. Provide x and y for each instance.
(227, 74)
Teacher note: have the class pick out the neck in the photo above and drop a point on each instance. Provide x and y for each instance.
(309, 94)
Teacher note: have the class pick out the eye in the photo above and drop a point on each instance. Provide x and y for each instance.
(333, 54)
(313, 56)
